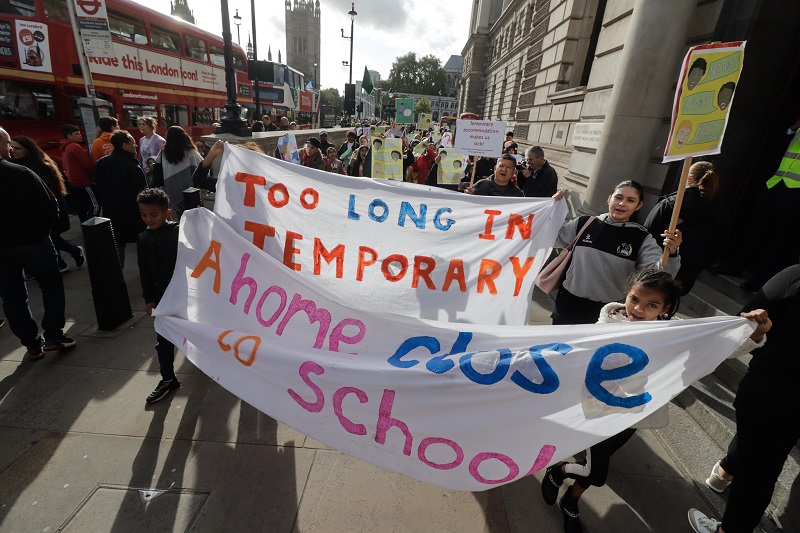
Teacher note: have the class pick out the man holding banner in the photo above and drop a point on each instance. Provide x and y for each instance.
(499, 183)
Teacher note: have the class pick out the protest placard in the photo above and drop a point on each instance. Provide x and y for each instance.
(387, 158)
(404, 110)
(450, 167)
(703, 99)
(287, 148)
(464, 406)
(425, 121)
(417, 251)
(479, 137)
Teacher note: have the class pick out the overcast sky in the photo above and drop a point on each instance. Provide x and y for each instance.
(384, 30)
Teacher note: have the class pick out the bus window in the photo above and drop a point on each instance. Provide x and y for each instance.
(202, 116)
(56, 11)
(195, 48)
(124, 29)
(280, 75)
(23, 8)
(174, 115)
(217, 55)
(271, 94)
(239, 63)
(165, 40)
(25, 101)
(132, 112)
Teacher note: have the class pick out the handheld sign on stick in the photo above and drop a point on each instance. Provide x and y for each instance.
(479, 138)
(703, 100)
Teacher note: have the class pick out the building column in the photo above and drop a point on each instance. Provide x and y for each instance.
(646, 77)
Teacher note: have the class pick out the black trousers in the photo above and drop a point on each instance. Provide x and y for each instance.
(599, 457)
(767, 428)
(571, 309)
(166, 357)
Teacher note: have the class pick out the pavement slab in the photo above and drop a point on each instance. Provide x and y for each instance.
(346, 494)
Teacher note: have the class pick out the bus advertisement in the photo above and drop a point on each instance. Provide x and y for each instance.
(157, 66)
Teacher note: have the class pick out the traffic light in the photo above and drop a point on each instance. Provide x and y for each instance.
(360, 107)
(350, 98)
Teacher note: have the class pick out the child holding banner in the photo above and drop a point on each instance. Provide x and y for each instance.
(611, 248)
(650, 295)
(157, 252)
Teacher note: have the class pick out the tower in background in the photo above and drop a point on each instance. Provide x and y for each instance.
(180, 9)
(303, 37)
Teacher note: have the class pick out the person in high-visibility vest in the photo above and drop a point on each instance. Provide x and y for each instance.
(772, 241)
(789, 169)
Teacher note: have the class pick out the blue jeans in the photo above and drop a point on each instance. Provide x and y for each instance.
(40, 260)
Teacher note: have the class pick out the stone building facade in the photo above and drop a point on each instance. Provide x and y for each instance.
(303, 37)
(592, 82)
(180, 9)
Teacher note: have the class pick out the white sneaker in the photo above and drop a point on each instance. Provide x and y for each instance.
(716, 482)
(701, 523)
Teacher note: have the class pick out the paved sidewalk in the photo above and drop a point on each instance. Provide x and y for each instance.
(80, 451)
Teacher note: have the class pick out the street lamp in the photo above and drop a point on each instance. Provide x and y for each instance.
(352, 14)
(315, 71)
(232, 122)
(238, 21)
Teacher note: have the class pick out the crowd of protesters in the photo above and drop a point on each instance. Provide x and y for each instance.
(139, 188)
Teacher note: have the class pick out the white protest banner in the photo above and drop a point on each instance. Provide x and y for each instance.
(406, 249)
(479, 137)
(467, 407)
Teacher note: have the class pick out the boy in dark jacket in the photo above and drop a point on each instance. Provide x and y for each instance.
(157, 249)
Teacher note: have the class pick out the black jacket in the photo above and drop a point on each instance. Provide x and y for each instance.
(543, 183)
(157, 252)
(30, 207)
(119, 180)
(487, 187)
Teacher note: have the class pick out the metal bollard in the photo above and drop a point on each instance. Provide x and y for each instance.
(109, 291)
(191, 198)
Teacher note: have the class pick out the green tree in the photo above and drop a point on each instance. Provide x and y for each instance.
(423, 76)
(403, 77)
(331, 97)
(423, 106)
(432, 76)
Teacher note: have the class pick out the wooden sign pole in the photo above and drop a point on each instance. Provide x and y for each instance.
(474, 166)
(676, 211)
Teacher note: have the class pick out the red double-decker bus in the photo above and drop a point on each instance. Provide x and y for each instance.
(160, 66)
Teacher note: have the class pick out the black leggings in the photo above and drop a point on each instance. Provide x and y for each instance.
(598, 458)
